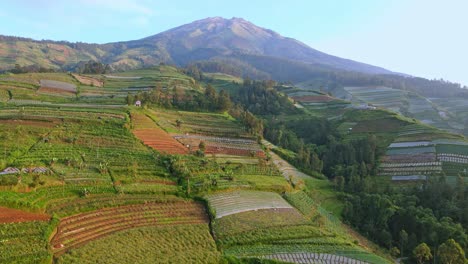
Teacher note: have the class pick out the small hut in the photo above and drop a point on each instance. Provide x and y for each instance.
(138, 103)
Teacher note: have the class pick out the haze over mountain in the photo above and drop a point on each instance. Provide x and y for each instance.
(206, 39)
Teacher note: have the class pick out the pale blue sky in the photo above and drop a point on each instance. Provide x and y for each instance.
(427, 38)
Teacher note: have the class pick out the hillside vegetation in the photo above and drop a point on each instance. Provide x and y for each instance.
(157, 164)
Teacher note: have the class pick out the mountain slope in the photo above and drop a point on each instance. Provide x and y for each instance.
(200, 40)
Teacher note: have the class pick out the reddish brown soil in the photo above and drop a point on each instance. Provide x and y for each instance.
(160, 140)
(8, 215)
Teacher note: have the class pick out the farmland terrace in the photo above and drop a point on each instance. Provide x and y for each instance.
(93, 172)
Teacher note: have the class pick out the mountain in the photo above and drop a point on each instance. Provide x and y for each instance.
(210, 39)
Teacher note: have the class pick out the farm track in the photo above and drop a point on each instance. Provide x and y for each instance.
(79, 229)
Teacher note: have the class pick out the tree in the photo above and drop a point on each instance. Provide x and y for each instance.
(179, 123)
(202, 146)
(403, 241)
(422, 253)
(451, 252)
(339, 183)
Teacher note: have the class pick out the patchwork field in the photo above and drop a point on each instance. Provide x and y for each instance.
(108, 184)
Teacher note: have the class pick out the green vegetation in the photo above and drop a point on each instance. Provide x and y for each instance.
(24, 243)
(169, 244)
(103, 168)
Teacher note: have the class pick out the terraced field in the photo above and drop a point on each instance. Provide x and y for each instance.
(206, 124)
(24, 243)
(161, 244)
(152, 135)
(229, 203)
(313, 258)
(86, 80)
(412, 159)
(106, 190)
(270, 233)
(386, 97)
(222, 145)
(57, 87)
(79, 229)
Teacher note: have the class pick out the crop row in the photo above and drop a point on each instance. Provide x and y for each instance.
(425, 169)
(447, 158)
(411, 164)
(23, 242)
(160, 140)
(313, 258)
(405, 158)
(78, 229)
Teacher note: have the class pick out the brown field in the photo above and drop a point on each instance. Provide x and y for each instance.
(8, 215)
(88, 80)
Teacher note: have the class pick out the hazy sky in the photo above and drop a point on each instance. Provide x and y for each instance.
(425, 38)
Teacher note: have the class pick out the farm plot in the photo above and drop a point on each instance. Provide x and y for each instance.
(162, 244)
(8, 215)
(219, 145)
(380, 96)
(313, 98)
(41, 198)
(86, 80)
(208, 124)
(458, 149)
(153, 136)
(23, 242)
(271, 231)
(411, 151)
(397, 169)
(229, 203)
(88, 152)
(95, 201)
(313, 258)
(410, 144)
(56, 87)
(79, 229)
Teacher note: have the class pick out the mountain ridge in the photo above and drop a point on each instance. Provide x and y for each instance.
(199, 40)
